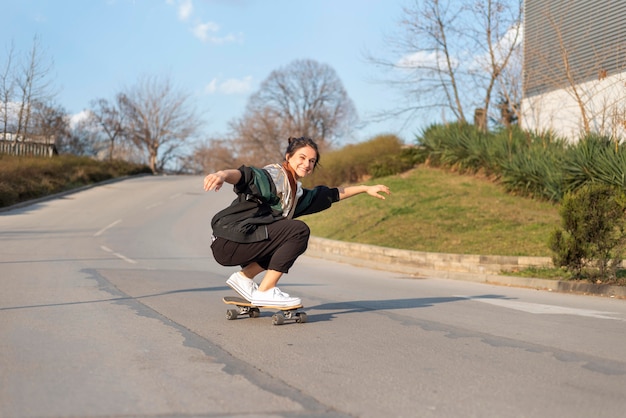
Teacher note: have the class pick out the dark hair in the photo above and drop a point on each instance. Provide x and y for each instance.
(296, 143)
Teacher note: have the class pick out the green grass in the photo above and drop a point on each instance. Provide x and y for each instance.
(438, 211)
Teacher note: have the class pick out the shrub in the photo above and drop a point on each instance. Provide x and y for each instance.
(467, 149)
(591, 241)
(390, 164)
(535, 169)
(383, 155)
(595, 158)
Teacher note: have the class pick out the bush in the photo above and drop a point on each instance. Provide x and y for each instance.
(381, 156)
(591, 241)
(463, 147)
(595, 158)
(390, 164)
(535, 169)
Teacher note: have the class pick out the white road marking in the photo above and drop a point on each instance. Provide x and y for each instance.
(111, 225)
(118, 255)
(542, 309)
(154, 205)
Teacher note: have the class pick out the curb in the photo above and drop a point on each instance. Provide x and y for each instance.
(475, 268)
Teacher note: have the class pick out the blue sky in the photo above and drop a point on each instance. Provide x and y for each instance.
(217, 50)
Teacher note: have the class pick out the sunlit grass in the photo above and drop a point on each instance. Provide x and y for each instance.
(438, 211)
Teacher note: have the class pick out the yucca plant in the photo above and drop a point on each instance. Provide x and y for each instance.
(581, 161)
(536, 172)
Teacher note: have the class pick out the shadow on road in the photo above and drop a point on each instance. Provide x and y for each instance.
(120, 298)
(342, 308)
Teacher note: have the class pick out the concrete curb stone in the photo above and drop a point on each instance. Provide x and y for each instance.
(476, 268)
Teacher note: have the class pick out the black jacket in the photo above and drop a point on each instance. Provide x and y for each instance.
(258, 204)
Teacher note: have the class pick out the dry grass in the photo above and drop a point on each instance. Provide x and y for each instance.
(26, 178)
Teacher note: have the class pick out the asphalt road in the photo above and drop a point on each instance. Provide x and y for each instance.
(110, 305)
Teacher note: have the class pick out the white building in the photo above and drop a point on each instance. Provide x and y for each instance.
(575, 67)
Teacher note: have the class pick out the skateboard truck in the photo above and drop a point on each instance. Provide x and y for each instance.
(243, 307)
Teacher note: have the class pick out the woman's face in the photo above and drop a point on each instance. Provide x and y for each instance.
(303, 161)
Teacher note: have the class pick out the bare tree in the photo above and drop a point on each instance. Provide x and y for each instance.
(259, 134)
(498, 36)
(49, 122)
(108, 119)
(305, 98)
(509, 87)
(213, 155)
(33, 85)
(79, 139)
(7, 90)
(452, 54)
(159, 119)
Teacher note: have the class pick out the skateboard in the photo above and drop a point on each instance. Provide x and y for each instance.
(243, 307)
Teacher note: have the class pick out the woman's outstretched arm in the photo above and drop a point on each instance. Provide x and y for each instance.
(215, 181)
(346, 192)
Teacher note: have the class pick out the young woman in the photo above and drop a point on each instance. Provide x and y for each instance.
(258, 230)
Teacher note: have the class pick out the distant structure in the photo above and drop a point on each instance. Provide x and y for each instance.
(34, 146)
(575, 67)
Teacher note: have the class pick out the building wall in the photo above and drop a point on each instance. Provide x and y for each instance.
(558, 111)
(577, 43)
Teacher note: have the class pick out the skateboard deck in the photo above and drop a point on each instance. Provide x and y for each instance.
(244, 307)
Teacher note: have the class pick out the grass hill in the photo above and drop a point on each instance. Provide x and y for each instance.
(434, 210)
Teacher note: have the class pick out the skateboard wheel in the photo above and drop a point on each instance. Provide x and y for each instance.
(301, 317)
(254, 313)
(232, 314)
(278, 319)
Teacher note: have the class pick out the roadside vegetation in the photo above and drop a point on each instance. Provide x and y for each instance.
(27, 178)
(506, 192)
(431, 209)
(456, 190)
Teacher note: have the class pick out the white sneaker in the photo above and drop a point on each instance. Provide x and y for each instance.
(274, 297)
(242, 285)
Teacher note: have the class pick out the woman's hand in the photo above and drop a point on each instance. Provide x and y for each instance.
(214, 181)
(376, 190)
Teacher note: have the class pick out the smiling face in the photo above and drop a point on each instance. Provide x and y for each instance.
(302, 161)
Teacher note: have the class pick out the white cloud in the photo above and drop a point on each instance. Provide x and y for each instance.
(234, 86)
(185, 7)
(473, 62)
(76, 118)
(206, 32)
(230, 86)
(211, 87)
(422, 59)
(511, 39)
(201, 30)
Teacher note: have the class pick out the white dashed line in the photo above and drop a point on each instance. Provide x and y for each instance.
(118, 255)
(100, 232)
(542, 309)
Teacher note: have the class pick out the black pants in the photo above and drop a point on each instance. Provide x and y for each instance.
(288, 239)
